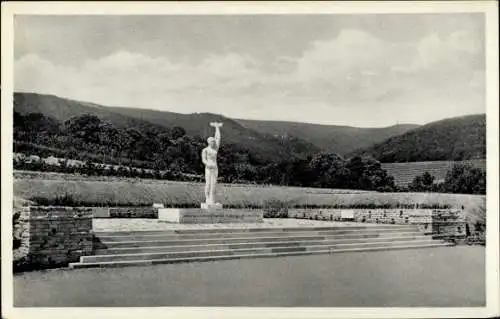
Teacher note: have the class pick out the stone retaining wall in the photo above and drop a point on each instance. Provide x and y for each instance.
(447, 223)
(55, 236)
(125, 212)
(133, 212)
(100, 212)
(377, 216)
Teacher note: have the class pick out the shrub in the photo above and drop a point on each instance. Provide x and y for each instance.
(64, 200)
(276, 209)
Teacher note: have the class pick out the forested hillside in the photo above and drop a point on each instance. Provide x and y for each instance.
(454, 139)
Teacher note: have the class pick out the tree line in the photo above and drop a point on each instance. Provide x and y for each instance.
(151, 151)
(455, 139)
(461, 179)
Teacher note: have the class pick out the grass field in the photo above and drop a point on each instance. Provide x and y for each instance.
(404, 173)
(135, 192)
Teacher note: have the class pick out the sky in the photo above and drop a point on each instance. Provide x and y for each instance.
(366, 70)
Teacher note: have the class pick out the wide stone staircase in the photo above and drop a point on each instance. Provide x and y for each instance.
(136, 248)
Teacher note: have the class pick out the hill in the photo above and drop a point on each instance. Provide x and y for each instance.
(338, 139)
(456, 139)
(266, 146)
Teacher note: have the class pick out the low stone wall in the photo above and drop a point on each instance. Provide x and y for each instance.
(316, 214)
(125, 212)
(100, 212)
(133, 212)
(447, 224)
(54, 236)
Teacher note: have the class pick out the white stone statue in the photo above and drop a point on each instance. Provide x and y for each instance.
(209, 158)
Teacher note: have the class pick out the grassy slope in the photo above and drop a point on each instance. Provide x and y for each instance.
(146, 192)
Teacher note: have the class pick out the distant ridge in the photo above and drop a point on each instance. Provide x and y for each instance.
(334, 138)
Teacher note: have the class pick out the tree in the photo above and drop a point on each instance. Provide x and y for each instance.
(329, 171)
(178, 132)
(422, 183)
(367, 173)
(35, 127)
(86, 127)
(89, 168)
(465, 179)
(245, 172)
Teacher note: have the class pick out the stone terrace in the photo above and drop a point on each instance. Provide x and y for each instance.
(101, 225)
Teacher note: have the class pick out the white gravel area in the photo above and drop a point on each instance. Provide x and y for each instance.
(154, 224)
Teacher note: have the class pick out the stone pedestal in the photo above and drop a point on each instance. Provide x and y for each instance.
(209, 215)
(211, 206)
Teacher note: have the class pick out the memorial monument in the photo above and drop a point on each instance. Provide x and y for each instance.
(209, 159)
(210, 211)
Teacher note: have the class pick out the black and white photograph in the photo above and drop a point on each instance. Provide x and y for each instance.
(234, 156)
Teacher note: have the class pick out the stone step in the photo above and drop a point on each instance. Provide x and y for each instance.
(236, 240)
(224, 240)
(157, 249)
(432, 244)
(169, 236)
(263, 250)
(174, 242)
(374, 227)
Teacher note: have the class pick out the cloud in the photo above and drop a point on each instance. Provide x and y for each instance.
(353, 70)
(457, 52)
(360, 67)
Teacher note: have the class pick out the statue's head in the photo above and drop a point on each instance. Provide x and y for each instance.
(211, 142)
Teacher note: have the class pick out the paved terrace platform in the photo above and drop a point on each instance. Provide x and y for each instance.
(439, 277)
(107, 225)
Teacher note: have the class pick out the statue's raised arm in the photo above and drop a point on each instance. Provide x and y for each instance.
(217, 133)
